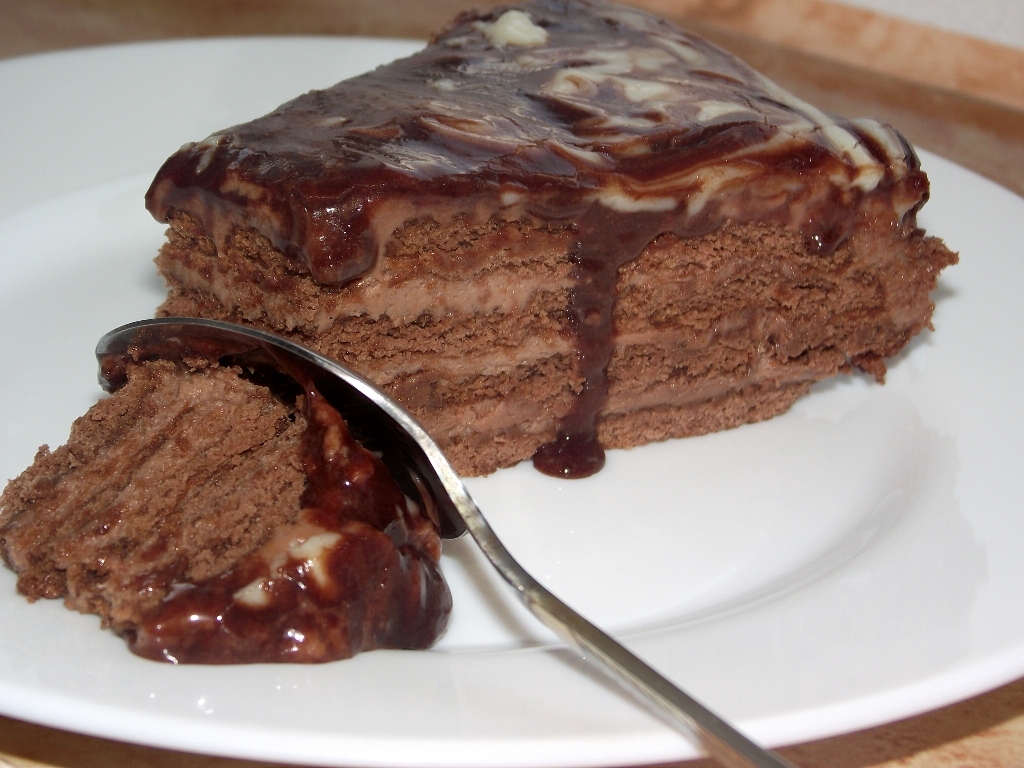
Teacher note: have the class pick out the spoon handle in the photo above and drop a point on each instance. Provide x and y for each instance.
(718, 739)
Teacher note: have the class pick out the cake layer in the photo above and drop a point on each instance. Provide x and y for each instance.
(696, 322)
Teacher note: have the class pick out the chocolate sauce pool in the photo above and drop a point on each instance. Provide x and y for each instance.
(592, 115)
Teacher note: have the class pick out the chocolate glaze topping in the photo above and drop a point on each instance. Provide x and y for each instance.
(587, 113)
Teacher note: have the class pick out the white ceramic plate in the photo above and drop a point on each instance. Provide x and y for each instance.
(851, 562)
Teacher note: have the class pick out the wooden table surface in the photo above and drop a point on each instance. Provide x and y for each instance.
(959, 97)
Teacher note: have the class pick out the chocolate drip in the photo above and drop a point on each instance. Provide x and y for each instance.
(605, 242)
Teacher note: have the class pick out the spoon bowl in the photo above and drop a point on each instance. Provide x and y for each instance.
(418, 465)
(375, 420)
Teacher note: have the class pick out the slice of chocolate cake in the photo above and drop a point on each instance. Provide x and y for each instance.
(208, 519)
(563, 226)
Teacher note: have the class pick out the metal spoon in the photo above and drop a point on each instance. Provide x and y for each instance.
(374, 417)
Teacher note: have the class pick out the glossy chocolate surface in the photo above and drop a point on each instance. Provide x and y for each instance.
(587, 113)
